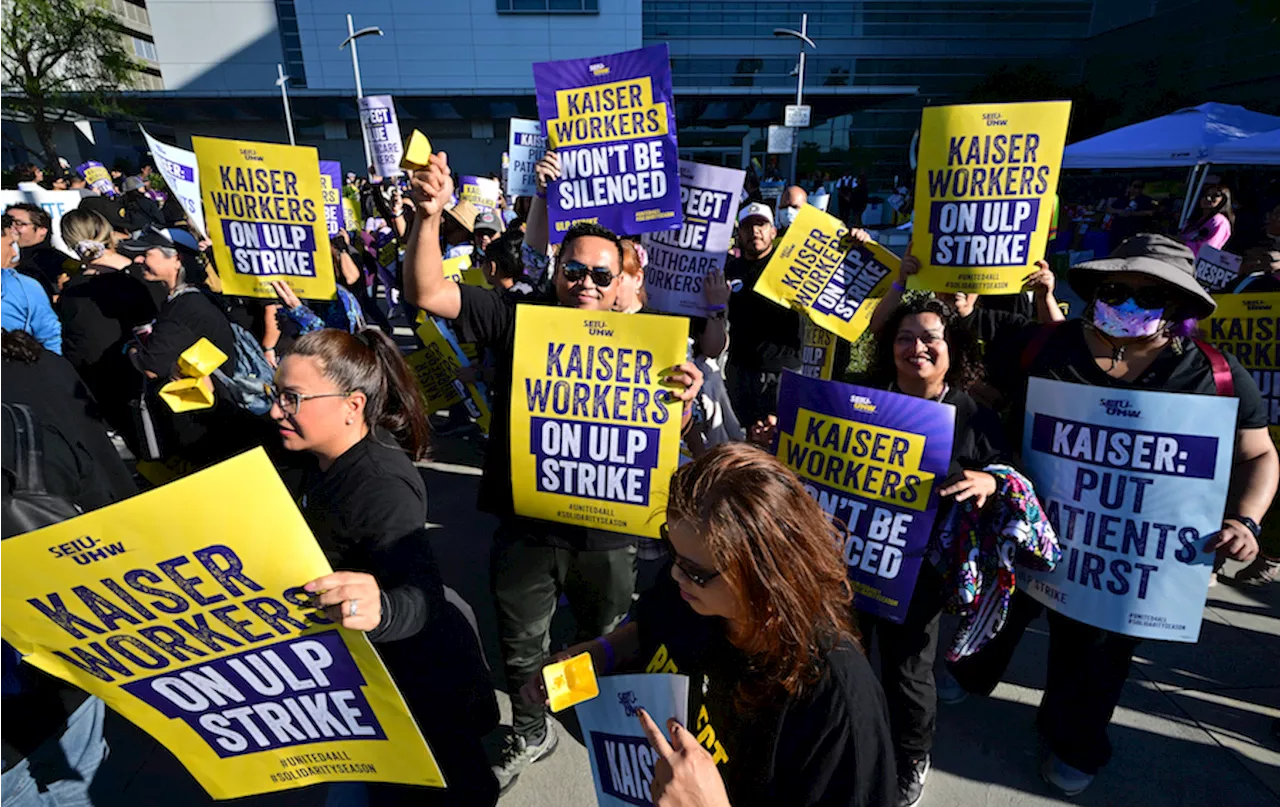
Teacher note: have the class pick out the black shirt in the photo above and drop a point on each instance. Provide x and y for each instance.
(1123, 227)
(827, 745)
(488, 318)
(43, 262)
(1065, 356)
(766, 336)
(99, 313)
(368, 512)
(1257, 283)
(183, 320)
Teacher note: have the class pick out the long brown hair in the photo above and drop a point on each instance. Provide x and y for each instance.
(779, 553)
(371, 363)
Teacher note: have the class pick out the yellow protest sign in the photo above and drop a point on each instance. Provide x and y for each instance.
(436, 368)
(188, 618)
(594, 438)
(265, 209)
(818, 356)
(818, 269)
(1248, 327)
(985, 189)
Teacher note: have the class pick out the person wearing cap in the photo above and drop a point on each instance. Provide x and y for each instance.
(1143, 303)
(100, 307)
(141, 211)
(533, 560)
(766, 337)
(487, 228)
(24, 305)
(458, 230)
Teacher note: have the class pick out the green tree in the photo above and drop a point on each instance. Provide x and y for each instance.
(60, 53)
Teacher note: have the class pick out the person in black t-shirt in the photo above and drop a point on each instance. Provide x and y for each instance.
(755, 610)
(351, 404)
(1132, 212)
(926, 351)
(533, 560)
(1131, 338)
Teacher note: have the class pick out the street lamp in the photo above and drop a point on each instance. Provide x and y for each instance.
(803, 36)
(283, 84)
(352, 36)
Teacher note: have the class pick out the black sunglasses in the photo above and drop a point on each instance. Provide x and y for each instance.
(1113, 293)
(575, 271)
(698, 575)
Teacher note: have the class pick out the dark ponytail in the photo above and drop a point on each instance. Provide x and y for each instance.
(371, 363)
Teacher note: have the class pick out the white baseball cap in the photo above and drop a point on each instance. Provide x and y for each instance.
(756, 209)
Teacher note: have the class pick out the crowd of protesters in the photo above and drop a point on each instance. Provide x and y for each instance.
(756, 598)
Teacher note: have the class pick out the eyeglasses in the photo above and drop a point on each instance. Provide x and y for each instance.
(291, 401)
(699, 576)
(575, 271)
(1147, 297)
(19, 224)
(907, 338)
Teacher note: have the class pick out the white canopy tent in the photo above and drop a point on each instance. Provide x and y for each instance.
(1261, 149)
(1193, 137)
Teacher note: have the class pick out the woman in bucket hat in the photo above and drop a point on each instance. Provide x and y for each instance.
(1144, 302)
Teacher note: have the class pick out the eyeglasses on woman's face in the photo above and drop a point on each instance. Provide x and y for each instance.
(290, 401)
(697, 575)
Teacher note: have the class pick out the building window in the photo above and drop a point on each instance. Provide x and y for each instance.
(291, 43)
(144, 49)
(548, 6)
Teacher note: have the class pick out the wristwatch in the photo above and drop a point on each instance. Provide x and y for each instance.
(1249, 524)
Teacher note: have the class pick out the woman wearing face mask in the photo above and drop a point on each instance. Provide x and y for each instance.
(1144, 300)
(1213, 222)
(755, 611)
(350, 404)
(925, 350)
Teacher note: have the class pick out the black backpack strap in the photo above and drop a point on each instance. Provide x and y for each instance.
(28, 470)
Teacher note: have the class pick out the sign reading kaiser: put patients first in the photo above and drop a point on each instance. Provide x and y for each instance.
(984, 193)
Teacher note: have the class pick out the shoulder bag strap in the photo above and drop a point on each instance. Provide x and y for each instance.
(1223, 383)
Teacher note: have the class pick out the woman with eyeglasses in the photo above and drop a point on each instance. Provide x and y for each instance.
(1214, 219)
(1144, 303)
(350, 403)
(783, 704)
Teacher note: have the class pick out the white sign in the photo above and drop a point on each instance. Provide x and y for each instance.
(55, 203)
(1134, 483)
(182, 175)
(382, 130)
(1217, 270)
(781, 139)
(526, 146)
(622, 762)
(796, 117)
(679, 260)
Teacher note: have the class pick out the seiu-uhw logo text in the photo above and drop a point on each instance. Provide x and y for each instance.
(86, 549)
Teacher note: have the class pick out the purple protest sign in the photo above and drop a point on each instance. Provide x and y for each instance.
(331, 190)
(382, 132)
(612, 121)
(293, 692)
(874, 460)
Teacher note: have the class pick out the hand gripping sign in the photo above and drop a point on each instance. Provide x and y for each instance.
(595, 437)
(985, 193)
(874, 460)
(188, 618)
(265, 208)
(1134, 483)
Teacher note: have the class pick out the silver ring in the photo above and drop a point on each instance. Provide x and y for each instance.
(354, 610)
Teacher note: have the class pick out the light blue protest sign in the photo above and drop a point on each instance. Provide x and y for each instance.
(622, 762)
(1135, 483)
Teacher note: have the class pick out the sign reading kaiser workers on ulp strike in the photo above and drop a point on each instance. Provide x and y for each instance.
(679, 260)
(874, 460)
(595, 437)
(612, 121)
(820, 270)
(264, 204)
(985, 190)
(1134, 483)
(1248, 327)
(188, 617)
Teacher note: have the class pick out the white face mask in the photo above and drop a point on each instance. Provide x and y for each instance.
(787, 215)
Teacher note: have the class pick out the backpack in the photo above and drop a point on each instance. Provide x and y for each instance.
(250, 378)
(30, 506)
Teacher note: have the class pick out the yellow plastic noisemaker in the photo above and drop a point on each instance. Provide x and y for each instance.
(417, 152)
(187, 394)
(201, 359)
(570, 682)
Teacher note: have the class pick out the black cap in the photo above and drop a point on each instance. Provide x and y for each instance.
(146, 240)
(110, 209)
(488, 221)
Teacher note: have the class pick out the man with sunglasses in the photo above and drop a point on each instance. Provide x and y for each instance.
(533, 560)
